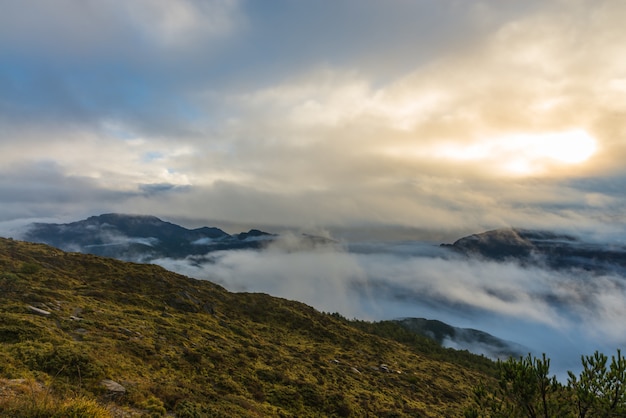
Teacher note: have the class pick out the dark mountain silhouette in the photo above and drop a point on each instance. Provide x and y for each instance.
(140, 237)
(554, 250)
(473, 340)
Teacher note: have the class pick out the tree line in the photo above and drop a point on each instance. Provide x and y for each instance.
(525, 389)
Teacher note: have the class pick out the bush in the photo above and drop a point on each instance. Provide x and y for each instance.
(188, 409)
(154, 405)
(30, 399)
(64, 360)
(285, 397)
(30, 268)
(82, 408)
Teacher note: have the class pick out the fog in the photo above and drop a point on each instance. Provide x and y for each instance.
(563, 313)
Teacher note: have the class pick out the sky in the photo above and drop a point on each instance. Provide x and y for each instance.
(400, 115)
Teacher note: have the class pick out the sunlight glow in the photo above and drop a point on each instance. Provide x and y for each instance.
(525, 154)
(519, 154)
(571, 147)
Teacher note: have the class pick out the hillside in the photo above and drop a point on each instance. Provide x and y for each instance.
(478, 341)
(142, 340)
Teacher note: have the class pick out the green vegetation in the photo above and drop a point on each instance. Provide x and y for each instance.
(82, 335)
(395, 331)
(525, 389)
(26, 399)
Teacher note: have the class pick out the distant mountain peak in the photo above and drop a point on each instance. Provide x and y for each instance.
(470, 339)
(124, 216)
(254, 233)
(140, 237)
(554, 249)
(513, 236)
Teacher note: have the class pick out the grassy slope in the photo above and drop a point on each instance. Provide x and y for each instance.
(191, 347)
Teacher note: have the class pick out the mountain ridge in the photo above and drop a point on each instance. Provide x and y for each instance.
(140, 237)
(476, 341)
(555, 250)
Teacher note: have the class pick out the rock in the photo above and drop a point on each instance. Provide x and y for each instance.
(126, 331)
(38, 311)
(208, 308)
(113, 387)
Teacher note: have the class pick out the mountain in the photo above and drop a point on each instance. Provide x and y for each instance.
(145, 238)
(476, 341)
(554, 250)
(105, 337)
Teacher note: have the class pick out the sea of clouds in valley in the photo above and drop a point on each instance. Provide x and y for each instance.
(563, 313)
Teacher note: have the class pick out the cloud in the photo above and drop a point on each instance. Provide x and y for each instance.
(172, 25)
(250, 113)
(158, 24)
(41, 189)
(126, 62)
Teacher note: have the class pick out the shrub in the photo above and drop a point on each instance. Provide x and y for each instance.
(188, 409)
(63, 360)
(82, 408)
(30, 399)
(154, 406)
(30, 268)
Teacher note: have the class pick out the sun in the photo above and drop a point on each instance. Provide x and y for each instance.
(540, 153)
(569, 147)
(520, 154)
(523, 154)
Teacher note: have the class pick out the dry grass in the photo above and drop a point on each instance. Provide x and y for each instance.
(30, 399)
